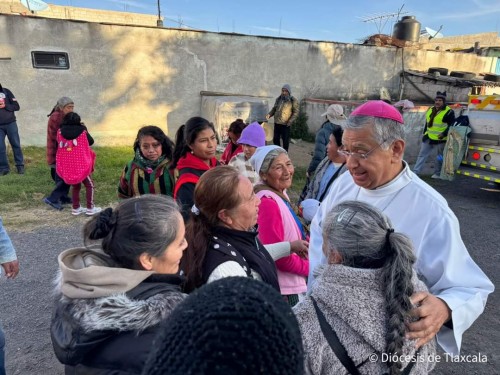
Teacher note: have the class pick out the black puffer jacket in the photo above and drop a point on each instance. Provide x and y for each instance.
(7, 114)
(112, 335)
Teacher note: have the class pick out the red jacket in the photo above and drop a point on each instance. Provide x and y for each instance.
(227, 155)
(53, 126)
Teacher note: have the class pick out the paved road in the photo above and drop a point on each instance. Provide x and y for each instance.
(26, 303)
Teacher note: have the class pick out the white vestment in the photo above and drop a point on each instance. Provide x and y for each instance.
(443, 262)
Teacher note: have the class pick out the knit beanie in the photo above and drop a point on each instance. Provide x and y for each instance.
(287, 87)
(260, 154)
(334, 112)
(235, 325)
(253, 135)
(441, 95)
(63, 102)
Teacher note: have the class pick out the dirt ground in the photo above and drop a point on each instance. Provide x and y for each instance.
(39, 235)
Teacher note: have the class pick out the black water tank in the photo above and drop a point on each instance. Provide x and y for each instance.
(407, 29)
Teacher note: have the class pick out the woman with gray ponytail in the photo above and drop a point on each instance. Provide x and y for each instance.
(354, 320)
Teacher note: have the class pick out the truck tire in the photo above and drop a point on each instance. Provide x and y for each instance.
(492, 77)
(464, 75)
(442, 71)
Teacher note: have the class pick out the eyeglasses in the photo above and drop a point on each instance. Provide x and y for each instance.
(359, 155)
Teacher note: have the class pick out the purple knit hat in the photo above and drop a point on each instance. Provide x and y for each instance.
(253, 135)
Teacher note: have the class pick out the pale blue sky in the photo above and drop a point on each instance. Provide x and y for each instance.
(330, 20)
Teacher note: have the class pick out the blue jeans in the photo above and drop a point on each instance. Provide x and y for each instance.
(10, 130)
(425, 150)
(2, 352)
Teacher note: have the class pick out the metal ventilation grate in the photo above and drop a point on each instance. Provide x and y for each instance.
(50, 60)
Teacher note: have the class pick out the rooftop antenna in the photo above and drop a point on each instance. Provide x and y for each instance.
(159, 22)
(380, 19)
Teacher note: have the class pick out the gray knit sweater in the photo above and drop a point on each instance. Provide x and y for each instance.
(352, 301)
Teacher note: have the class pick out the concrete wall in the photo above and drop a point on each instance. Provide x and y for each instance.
(123, 77)
(461, 41)
(424, 88)
(82, 14)
(414, 120)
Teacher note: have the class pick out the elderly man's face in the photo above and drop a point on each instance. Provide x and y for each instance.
(380, 167)
(284, 92)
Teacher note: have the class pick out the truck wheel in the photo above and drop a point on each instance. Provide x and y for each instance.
(442, 71)
(464, 75)
(492, 77)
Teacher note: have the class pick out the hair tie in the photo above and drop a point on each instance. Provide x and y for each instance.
(388, 234)
(195, 210)
(103, 225)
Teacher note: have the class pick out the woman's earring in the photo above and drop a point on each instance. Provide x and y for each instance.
(192, 152)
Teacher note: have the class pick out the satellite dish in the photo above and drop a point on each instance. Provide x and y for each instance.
(433, 33)
(35, 5)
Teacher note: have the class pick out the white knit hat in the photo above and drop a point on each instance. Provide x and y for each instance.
(260, 154)
(334, 112)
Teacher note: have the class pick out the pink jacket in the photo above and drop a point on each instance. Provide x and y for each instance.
(276, 224)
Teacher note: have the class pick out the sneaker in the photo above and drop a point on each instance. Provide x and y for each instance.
(92, 211)
(3, 173)
(56, 205)
(78, 211)
(20, 169)
(436, 176)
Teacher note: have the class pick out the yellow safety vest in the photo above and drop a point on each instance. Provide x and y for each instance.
(438, 126)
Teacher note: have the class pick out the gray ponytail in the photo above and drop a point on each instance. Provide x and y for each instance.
(364, 238)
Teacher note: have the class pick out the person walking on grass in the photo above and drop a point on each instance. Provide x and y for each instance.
(75, 161)
(8, 128)
(285, 112)
(63, 106)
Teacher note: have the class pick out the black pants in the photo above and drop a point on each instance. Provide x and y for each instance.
(60, 191)
(283, 132)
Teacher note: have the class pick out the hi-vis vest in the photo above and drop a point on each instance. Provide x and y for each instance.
(438, 126)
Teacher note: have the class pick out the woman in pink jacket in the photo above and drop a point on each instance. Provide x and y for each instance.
(277, 221)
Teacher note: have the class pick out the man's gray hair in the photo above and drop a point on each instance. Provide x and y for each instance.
(385, 131)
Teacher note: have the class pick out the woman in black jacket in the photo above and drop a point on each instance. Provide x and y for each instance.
(111, 298)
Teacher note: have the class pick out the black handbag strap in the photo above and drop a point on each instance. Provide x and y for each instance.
(330, 182)
(339, 349)
(334, 342)
(410, 365)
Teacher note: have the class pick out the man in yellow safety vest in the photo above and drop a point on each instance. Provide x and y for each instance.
(437, 121)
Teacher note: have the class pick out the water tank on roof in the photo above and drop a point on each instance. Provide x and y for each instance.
(408, 28)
